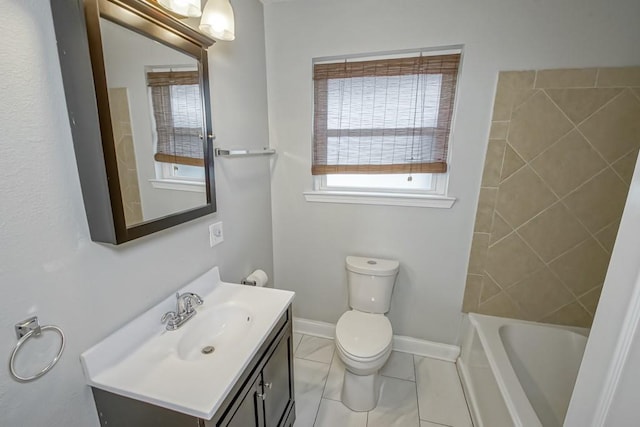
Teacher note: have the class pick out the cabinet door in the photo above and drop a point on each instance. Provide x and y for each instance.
(249, 412)
(278, 383)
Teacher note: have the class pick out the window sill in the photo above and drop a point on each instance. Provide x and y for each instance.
(171, 184)
(384, 199)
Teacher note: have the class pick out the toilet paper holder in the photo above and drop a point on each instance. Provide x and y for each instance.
(256, 278)
(247, 282)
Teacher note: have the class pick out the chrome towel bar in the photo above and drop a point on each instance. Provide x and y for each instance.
(221, 152)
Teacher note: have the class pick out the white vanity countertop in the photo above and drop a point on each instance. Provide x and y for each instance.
(144, 361)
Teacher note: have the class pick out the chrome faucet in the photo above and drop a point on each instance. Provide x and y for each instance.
(184, 310)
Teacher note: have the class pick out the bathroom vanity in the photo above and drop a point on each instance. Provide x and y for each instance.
(230, 365)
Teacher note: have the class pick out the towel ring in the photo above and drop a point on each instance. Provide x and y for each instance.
(36, 331)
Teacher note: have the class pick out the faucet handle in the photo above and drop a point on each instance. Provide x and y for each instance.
(189, 300)
(168, 316)
(171, 319)
(197, 299)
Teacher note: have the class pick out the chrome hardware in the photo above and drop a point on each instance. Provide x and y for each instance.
(26, 326)
(264, 386)
(184, 310)
(185, 303)
(208, 349)
(221, 152)
(24, 331)
(172, 320)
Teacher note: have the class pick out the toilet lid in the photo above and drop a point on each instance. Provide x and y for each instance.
(363, 334)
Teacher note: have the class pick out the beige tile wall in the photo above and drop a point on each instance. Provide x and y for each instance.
(561, 153)
(127, 167)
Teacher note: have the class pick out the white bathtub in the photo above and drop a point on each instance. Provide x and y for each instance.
(518, 373)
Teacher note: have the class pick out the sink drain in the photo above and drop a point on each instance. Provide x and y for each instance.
(208, 349)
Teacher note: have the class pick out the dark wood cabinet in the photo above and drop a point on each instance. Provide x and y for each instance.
(262, 397)
(277, 384)
(270, 397)
(249, 412)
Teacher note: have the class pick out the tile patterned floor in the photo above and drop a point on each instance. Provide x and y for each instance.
(416, 391)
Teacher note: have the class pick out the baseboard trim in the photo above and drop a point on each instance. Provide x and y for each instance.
(314, 327)
(434, 350)
(401, 343)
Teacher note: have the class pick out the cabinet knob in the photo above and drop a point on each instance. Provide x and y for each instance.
(262, 396)
(267, 385)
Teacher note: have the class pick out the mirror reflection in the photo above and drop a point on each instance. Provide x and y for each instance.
(157, 121)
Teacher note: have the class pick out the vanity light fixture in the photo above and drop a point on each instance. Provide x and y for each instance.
(187, 8)
(218, 21)
(217, 16)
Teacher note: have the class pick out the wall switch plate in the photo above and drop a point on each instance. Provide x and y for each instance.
(215, 234)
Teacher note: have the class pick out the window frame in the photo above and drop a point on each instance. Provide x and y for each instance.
(436, 197)
(438, 186)
(167, 180)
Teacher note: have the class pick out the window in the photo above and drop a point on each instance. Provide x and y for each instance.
(382, 125)
(177, 113)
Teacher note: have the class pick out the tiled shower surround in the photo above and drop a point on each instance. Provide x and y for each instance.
(125, 153)
(561, 153)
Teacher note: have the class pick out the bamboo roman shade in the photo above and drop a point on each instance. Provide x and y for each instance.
(177, 110)
(383, 116)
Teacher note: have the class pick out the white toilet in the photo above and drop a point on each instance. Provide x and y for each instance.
(363, 334)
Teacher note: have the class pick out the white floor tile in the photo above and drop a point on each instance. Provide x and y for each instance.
(440, 396)
(316, 349)
(335, 414)
(333, 388)
(319, 373)
(309, 381)
(397, 406)
(399, 365)
(296, 341)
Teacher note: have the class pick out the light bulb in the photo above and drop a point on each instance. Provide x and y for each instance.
(188, 8)
(218, 21)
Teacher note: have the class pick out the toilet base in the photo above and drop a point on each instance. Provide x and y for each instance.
(360, 392)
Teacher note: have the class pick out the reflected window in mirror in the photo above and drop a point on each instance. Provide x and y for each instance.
(174, 94)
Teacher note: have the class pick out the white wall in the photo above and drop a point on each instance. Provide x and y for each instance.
(48, 264)
(606, 389)
(311, 240)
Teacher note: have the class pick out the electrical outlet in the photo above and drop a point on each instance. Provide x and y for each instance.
(215, 234)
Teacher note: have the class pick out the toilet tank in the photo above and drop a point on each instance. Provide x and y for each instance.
(370, 282)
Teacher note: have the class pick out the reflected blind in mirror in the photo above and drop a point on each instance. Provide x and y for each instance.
(383, 116)
(177, 111)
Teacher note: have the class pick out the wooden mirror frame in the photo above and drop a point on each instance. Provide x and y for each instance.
(77, 27)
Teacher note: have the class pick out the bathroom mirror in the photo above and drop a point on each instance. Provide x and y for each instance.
(142, 133)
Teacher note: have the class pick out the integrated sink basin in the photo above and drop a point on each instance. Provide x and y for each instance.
(193, 368)
(213, 330)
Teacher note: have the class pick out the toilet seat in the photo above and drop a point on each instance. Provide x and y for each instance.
(363, 336)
